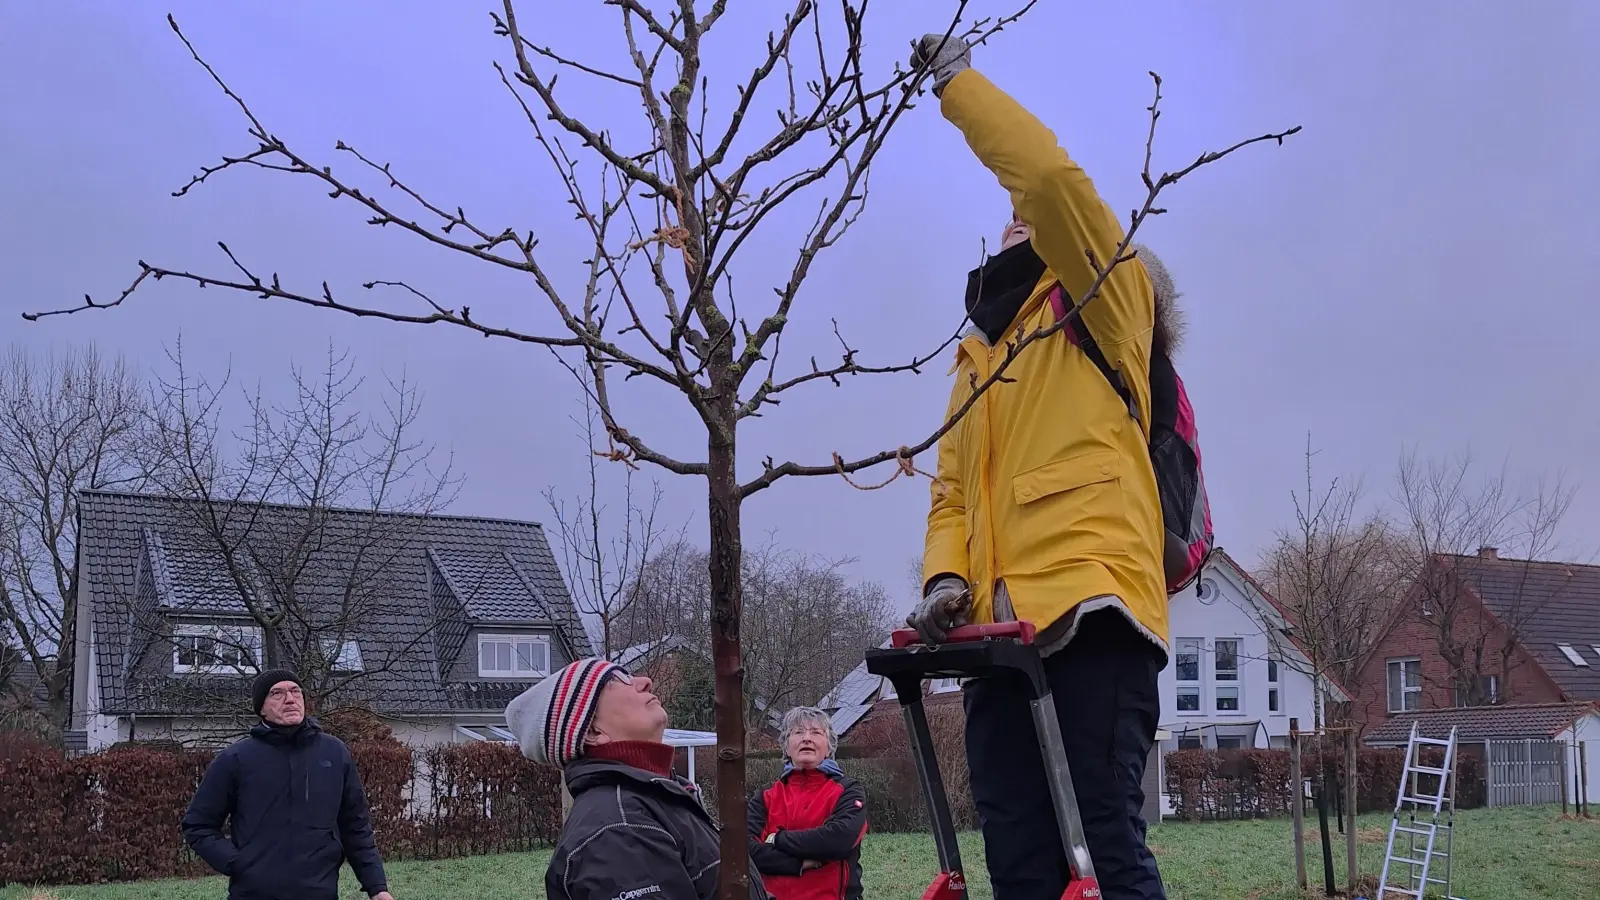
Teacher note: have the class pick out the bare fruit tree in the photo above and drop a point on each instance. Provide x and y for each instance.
(1469, 550)
(603, 554)
(1333, 572)
(299, 527)
(668, 219)
(66, 425)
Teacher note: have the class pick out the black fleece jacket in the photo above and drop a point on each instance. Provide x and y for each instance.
(297, 811)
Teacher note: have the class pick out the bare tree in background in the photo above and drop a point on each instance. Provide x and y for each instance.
(602, 555)
(301, 514)
(669, 218)
(1334, 574)
(66, 422)
(804, 622)
(1460, 531)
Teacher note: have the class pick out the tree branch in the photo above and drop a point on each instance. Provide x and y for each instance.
(1022, 341)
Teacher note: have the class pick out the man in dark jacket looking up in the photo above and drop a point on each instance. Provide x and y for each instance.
(295, 802)
(634, 832)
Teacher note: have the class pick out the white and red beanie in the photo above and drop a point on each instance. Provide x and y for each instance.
(552, 718)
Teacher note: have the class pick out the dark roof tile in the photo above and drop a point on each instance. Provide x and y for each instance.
(1476, 723)
(1547, 604)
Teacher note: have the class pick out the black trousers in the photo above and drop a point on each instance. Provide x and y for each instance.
(1106, 696)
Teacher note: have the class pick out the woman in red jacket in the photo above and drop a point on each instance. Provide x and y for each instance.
(806, 830)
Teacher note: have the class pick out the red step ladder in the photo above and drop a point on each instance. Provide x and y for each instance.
(973, 651)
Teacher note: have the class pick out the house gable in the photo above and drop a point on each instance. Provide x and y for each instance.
(1494, 591)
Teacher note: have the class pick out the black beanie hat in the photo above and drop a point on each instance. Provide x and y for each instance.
(264, 683)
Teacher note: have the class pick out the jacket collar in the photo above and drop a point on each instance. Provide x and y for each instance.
(294, 736)
(974, 334)
(585, 773)
(829, 767)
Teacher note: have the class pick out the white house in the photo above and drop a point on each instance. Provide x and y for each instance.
(1235, 676)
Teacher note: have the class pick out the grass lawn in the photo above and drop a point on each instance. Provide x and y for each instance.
(1501, 854)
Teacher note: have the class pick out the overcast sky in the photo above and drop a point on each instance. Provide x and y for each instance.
(1415, 268)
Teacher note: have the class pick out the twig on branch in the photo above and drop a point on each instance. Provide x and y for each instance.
(1015, 347)
(903, 466)
(848, 366)
(597, 391)
(546, 91)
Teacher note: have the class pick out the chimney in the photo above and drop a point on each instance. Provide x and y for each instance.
(1488, 553)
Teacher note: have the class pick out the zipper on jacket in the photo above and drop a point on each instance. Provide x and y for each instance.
(987, 464)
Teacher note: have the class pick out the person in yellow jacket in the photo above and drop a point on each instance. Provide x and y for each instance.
(1046, 509)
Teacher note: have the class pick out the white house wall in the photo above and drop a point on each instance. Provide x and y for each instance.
(1587, 732)
(1228, 612)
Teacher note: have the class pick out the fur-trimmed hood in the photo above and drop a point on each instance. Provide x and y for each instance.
(1169, 327)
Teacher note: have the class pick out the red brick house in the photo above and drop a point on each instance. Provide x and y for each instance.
(1521, 631)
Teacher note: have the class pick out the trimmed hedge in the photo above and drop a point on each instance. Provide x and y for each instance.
(115, 815)
(1249, 784)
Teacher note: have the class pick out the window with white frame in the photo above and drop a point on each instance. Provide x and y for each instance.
(1226, 671)
(1572, 655)
(1405, 684)
(1489, 688)
(513, 655)
(216, 649)
(1274, 702)
(1189, 742)
(344, 656)
(1186, 665)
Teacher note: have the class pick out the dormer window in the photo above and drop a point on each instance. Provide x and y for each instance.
(216, 649)
(513, 655)
(345, 657)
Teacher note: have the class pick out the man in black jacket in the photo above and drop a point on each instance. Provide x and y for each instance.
(634, 832)
(296, 803)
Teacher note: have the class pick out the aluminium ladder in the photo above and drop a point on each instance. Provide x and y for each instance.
(1429, 821)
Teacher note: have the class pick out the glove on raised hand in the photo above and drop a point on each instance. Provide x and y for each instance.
(945, 607)
(945, 62)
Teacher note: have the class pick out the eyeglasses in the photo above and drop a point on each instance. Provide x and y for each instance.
(284, 693)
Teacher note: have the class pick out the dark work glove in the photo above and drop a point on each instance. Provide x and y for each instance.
(946, 606)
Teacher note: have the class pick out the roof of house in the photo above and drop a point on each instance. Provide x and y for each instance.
(641, 655)
(406, 588)
(860, 692)
(25, 680)
(1549, 604)
(1525, 721)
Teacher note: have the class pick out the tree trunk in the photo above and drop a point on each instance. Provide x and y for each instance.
(723, 490)
(271, 647)
(60, 675)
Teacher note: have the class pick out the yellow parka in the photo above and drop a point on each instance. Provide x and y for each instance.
(1046, 483)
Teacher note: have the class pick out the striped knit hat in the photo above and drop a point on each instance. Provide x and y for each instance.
(552, 718)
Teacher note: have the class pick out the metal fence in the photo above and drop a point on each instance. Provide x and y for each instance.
(1526, 773)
